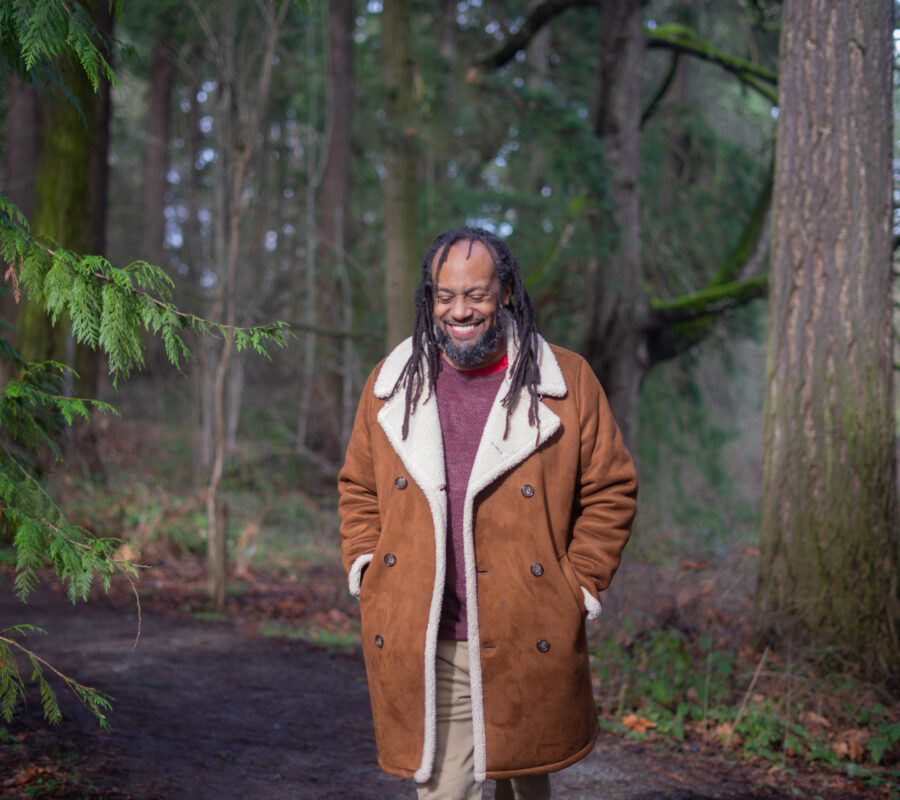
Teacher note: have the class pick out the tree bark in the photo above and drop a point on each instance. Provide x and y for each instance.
(18, 174)
(311, 272)
(615, 345)
(335, 202)
(157, 154)
(402, 259)
(830, 544)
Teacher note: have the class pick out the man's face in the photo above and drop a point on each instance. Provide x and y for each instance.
(468, 301)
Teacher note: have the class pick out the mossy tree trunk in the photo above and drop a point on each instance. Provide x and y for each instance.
(70, 195)
(63, 203)
(830, 549)
(402, 256)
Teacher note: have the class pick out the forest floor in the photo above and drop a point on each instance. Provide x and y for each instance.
(214, 708)
(268, 699)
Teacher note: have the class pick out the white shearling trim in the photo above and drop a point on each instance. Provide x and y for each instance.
(594, 609)
(495, 457)
(354, 579)
(422, 454)
(552, 383)
(390, 370)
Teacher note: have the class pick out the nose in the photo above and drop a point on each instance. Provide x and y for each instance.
(460, 310)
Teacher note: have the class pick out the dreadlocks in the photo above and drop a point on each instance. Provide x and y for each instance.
(426, 352)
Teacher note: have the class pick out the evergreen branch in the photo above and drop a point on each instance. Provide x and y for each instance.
(43, 534)
(33, 37)
(30, 402)
(683, 39)
(12, 687)
(107, 306)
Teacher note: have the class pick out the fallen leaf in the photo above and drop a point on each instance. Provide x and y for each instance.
(637, 724)
(851, 744)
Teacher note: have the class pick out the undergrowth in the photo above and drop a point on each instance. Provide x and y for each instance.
(657, 679)
(664, 685)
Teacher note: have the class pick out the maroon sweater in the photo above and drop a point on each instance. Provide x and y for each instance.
(464, 399)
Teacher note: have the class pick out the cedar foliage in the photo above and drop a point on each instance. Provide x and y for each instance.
(107, 308)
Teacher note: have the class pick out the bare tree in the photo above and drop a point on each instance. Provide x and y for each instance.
(243, 59)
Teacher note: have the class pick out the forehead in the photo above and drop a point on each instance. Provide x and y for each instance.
(468, 264)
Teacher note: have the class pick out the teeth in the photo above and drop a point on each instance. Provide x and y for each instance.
(463, 328)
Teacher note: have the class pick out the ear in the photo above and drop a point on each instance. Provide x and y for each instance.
(506, 294)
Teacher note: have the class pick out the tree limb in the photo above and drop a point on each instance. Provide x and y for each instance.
(709, 301)
(664, 87)
(536, 20)
(730, 269)
(676, 325)
(683, 39)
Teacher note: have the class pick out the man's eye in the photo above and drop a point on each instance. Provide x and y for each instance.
(477, 298)
(445, 298)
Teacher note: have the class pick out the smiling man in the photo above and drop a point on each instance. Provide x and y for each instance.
(485, 500)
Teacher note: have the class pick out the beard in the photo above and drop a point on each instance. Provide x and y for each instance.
(471, 355)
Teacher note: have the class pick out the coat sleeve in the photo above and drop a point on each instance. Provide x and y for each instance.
(606, 500)
(358, 496)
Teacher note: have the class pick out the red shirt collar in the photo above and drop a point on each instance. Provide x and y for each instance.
(490, 369)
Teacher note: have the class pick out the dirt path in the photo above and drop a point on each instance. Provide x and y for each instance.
(211, 711)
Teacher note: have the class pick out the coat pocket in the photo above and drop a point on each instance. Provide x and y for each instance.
(574, 583)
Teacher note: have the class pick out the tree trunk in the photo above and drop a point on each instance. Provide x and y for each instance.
(335, 201)
(18, 175)
(615, 344)
(402, 259)
(311, 297)
(830, 544)
(70, 198)
(156, 156)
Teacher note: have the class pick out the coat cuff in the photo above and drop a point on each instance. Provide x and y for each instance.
(591, 603)
(354, 579)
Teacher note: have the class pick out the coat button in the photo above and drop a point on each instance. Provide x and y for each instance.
(537, 569)
(542, 645)
(400, 483)
(379, 641)
(527, 490)
(390, 559)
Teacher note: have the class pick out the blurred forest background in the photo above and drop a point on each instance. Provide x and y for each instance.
(292, 162)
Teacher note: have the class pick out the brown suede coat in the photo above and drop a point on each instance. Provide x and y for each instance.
(547, 514)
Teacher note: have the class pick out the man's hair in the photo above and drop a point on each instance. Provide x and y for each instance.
(425, 349)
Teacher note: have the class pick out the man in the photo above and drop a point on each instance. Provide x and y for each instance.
(485, 500)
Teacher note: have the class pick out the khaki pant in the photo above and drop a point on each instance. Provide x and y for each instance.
(453, 775)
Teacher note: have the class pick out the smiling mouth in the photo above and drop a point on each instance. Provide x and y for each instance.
(463, 331)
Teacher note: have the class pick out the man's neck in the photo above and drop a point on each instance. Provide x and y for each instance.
(498, 364)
